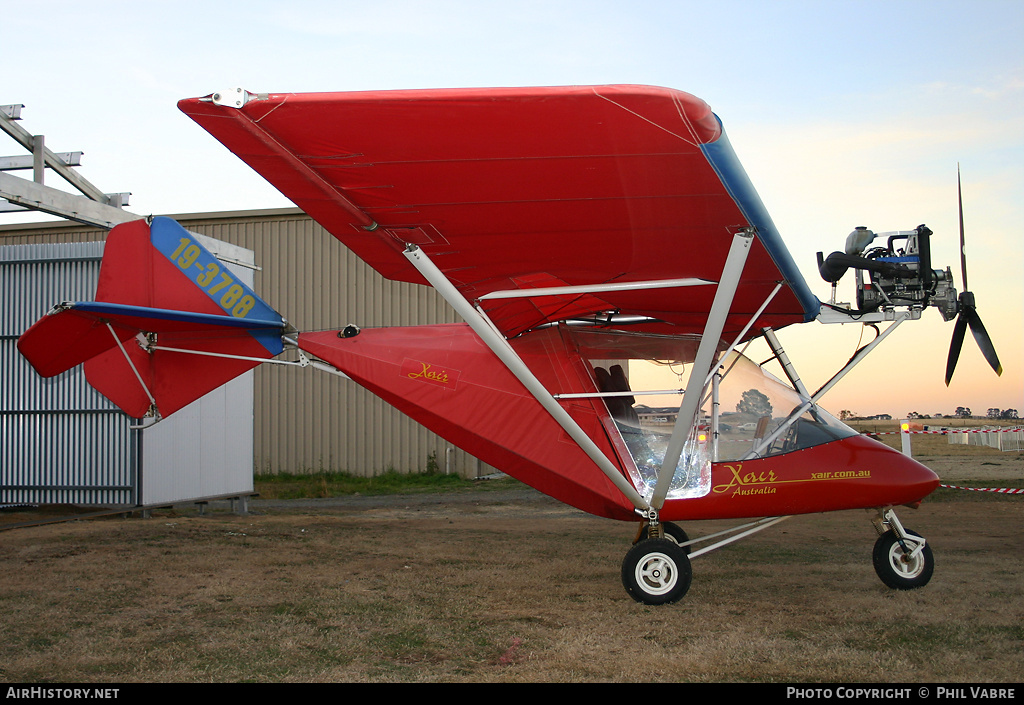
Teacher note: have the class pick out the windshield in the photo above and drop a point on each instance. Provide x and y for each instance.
(754, 408)
(757, 414)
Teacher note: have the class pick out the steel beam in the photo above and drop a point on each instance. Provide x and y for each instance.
(25, 162)
(37, 197)
(49, 159)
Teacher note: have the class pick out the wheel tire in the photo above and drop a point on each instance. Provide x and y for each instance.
(673, 532)
(895, 570)
(656, 572)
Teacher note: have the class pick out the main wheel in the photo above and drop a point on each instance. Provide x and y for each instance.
(673, 532)
(898, 569)
(656, 572)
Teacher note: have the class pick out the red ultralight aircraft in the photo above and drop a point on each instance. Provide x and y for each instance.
(576, 230)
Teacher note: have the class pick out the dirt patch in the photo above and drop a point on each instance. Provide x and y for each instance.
(500, 586)
(1007, 468)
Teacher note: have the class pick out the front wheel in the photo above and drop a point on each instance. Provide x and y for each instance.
(899, 569)
(656, 572)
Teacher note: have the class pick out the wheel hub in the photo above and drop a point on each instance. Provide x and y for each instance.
(905, 563)
(656, 574)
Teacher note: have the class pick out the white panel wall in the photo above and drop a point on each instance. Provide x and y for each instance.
(205, 449)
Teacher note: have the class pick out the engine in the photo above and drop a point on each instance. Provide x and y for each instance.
(899, 274)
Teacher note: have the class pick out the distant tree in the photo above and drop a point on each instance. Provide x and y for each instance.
(993, 413)
(913, 415)
(1008, 414)
(754, 402)
(847, 414)
(963, 412)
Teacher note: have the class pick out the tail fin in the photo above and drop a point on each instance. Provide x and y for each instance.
(169, 324)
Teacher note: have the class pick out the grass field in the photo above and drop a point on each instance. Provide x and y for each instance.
(496, 583)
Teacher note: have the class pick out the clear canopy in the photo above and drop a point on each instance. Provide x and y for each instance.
(753, 414)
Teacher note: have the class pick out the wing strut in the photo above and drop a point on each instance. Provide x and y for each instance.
(702, 364)
(811, 400)
(594, 288)
(128, 359)
(484, 328)
(787, 365)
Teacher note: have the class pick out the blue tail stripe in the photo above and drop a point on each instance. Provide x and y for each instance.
(101, 308)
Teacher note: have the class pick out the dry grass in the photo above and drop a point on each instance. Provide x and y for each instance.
(502, 587)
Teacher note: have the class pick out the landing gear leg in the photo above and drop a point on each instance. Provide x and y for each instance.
(901, 557)
(668, 531)
(656, 570)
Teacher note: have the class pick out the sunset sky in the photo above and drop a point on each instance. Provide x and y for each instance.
(843, 113)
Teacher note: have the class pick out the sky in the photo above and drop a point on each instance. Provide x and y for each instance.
(843, 114)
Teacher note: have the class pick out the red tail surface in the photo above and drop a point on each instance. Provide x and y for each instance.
(166, 310)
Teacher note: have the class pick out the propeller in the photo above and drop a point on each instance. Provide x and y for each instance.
(968, 312)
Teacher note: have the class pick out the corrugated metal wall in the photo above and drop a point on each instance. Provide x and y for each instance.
(60, 440)
(306, 420)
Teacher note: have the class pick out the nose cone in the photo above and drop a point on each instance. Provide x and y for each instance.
(892, 478)
(869, 473)
(909, 478)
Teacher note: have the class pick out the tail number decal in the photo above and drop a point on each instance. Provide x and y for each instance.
(211, 278)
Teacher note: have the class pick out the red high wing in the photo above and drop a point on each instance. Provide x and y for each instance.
(504, 187)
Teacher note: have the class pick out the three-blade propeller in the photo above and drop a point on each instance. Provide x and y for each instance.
(968, 312)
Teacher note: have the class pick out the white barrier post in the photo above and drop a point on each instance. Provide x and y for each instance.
(905, 438)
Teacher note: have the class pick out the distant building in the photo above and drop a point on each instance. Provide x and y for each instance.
(653, 416)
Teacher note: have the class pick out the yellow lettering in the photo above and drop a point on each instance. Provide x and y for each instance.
(185, 242)
(751, 483)
(212, 270)
(765, 477)
(427, 372)
(244, 305)
(231, 297)
(734, 482)
(225, 279)
(188, 257)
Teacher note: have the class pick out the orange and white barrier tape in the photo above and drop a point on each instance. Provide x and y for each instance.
(999, 490)
(948, 430)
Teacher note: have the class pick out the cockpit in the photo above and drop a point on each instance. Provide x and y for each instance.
(746, 413)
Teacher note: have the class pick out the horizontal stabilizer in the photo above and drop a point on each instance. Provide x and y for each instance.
(64, 338)
(170, 323)
(72, 333)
